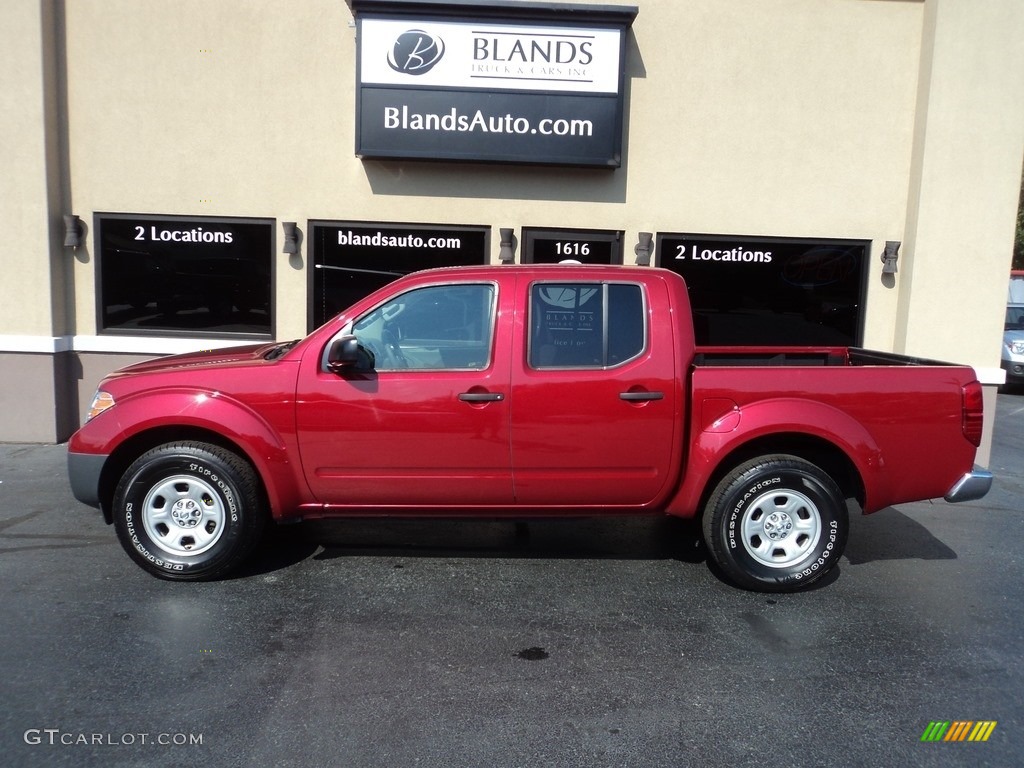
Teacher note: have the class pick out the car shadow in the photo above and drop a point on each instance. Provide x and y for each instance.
(891, 535)
(886, 535)
(282, 547)
(631, 538)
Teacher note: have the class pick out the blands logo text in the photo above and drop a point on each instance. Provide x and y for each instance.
(533, 57)
(534, 50)
(959, 730)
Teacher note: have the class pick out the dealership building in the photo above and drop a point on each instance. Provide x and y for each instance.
(188, 174)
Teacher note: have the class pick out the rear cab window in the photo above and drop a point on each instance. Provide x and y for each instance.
(586, 324)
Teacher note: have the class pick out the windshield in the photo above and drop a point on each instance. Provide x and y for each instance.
(1014, 318)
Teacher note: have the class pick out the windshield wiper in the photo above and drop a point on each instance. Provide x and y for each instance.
(279, 350)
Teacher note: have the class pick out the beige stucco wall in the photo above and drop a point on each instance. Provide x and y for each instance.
(752, 117)
(30, 261)
(965, 180)
(895, 120)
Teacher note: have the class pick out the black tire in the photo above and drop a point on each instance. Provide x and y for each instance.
(189, 511)
(776, 524)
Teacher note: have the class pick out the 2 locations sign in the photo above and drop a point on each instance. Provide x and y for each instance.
(495, 90)
(758, 291)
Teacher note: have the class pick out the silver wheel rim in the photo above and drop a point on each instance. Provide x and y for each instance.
(780, 527)
(183, 515)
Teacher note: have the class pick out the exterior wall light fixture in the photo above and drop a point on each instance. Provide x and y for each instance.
(73, 231)
(291, 237)
(890, 256)
(507, 254)
(644, 249)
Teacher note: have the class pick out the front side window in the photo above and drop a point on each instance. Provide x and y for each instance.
(585, 325)
(441, 327)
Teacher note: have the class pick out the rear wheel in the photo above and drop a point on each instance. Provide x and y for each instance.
(776, 524)
(189, 511)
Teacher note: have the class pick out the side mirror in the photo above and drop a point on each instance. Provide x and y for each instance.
(347, 354)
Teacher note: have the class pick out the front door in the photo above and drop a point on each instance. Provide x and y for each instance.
(429, 424)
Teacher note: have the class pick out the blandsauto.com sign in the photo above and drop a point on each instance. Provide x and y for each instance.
(491, 91)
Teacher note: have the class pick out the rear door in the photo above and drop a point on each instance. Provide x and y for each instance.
(594, 414)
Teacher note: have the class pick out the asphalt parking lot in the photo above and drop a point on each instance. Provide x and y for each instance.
(569, 643)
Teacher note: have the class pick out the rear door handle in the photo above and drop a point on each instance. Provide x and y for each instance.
(640, 397)
(481, 397)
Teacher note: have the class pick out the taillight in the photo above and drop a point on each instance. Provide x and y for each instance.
(973, 412)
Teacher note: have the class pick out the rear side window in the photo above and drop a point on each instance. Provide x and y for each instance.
(585, 325)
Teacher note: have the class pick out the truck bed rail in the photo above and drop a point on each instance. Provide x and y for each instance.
(804, 356)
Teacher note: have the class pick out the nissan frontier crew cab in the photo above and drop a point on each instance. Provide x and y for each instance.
(524, 392)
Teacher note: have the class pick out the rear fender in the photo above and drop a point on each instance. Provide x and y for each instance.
(718, 435)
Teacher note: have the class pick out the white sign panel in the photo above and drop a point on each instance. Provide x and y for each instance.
(489, 56)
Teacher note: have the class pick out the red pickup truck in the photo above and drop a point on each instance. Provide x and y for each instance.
(524, 391)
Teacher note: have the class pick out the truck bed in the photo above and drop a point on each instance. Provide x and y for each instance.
(905, 412)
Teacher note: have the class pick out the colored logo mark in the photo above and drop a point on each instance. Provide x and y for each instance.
(959, 730)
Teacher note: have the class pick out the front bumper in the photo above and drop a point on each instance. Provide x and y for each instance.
(973, 485)
(84, 474)
(1014, 370)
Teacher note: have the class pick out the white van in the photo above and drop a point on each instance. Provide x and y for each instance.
(1013, 330)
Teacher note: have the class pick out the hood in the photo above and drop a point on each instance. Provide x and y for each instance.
(208, 358)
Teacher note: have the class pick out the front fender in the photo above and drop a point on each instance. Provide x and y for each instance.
(181, 409)
(719, 432)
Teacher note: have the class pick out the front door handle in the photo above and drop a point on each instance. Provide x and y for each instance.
(481, 397)
(641, 397)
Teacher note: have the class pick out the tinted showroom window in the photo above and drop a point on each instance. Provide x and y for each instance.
(189, 276)
(550, 246)
(771, 291)
(353, 259)
(585, 325)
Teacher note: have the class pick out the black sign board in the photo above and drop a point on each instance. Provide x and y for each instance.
(353, 259)
(771, 291)
(458, 125)
(550, 246)
(184, 275)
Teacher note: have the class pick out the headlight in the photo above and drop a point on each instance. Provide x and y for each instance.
(100, 402)
(1017, 347)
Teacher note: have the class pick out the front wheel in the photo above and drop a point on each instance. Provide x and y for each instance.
(776, 524)
(189, 511)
